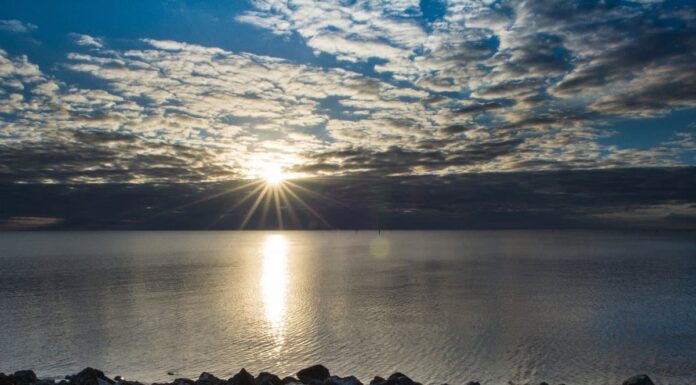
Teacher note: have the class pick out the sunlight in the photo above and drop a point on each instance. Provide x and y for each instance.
(274, 281)
(272, 174)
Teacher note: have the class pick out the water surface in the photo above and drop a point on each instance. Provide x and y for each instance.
(526, 306)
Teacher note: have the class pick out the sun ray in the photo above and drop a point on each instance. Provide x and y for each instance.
(291, 210)
(318, 195)
(306, 206)
(204, 199)
(253, 207)
(266, 205)
(245, 198)
(279, 214)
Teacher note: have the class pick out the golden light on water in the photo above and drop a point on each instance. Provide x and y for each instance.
(274, 284)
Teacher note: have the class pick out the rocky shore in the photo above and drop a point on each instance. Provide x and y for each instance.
(314, 375)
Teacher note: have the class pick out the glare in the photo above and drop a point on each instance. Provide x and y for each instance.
(272, 174)
(274, 281)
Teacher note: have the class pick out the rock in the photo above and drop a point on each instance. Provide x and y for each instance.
(473, 383)
(242, 378)
(265, 378)
(399, 379)
(183, 381)
(208, 379)
(6, 380)
(377, 380)
(543, 383)
(90, 376)
(313, 375)
(640, 379)
(335, 380)
(24, 377)
(289, 380)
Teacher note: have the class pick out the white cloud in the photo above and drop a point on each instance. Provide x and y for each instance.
(87, 40)
(16, 26)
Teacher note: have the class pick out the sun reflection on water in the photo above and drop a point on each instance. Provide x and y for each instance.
(274, 282)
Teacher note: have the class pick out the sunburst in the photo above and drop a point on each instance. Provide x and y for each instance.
(271, 189)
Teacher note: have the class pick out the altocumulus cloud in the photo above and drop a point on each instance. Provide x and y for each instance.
(232, 109)
(519, 87)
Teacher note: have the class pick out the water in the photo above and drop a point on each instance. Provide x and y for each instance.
(498, 306)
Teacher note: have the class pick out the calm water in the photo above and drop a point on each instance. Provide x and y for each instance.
(573, 307)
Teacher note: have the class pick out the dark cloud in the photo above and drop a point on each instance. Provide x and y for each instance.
(558, 199)
(105, 156)
(397, 160)
(480, 107)
(458, 128)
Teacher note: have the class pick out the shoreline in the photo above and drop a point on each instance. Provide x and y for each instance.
(313, 375)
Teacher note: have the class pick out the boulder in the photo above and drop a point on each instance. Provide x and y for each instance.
(399, 379)
(242, 378)
(6, 380)
(289, 380)
(473, 383)
(377, 381)
(313, 375)
(24, 377)
(335, 380)
(208, 379)
(265, 378)
(640, 379)
(90, 376)
(183, 381)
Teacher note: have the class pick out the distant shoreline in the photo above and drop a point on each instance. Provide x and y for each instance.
(314, 375)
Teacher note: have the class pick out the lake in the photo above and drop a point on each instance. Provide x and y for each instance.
(578, 307)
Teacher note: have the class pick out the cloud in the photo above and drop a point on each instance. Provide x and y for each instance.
(87, 40)
(630, 58)
(617, 198)
(27, 223)
(223, 113)
(16, 26)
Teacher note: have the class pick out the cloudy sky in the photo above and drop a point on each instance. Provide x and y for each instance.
(435, 95)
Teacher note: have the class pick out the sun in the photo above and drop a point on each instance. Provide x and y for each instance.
(272, 174)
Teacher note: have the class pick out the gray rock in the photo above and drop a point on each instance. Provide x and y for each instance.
(90, 376)
(377, 381)
(242, 378)
(265, 378)
(640, 379)
(6, 380)
(335, 380)
(313, 375)
(208, 379)
(399, 379)
(289, 380)
(24, 377)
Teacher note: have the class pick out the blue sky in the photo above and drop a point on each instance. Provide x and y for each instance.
(214, 90)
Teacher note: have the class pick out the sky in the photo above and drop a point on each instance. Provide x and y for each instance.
(403, 113)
